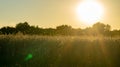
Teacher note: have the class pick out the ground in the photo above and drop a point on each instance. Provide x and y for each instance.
(59, 51)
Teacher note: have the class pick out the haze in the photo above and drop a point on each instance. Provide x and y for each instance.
(51, 13)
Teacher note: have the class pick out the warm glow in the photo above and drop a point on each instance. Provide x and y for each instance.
(90, 12)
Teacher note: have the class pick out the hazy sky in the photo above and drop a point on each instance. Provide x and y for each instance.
(51, 13)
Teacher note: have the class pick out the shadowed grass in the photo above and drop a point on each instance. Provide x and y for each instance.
(59, 51)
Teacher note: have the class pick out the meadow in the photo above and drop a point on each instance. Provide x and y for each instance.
(59, 51)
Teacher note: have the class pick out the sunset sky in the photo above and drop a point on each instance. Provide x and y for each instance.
(51, 13)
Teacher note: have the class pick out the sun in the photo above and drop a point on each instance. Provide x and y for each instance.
(90, 12)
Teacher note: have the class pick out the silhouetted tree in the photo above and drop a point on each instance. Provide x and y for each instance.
(64, 30)
(115, 33)
(35, 30)
(78, 31)
(23, 27)
(49, 31)
(88, 31)
(107, 27)
(100, 28)
(8, 30)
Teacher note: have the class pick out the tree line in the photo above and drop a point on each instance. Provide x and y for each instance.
(26, 29)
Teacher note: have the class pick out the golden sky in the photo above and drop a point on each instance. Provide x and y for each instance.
(51, 13)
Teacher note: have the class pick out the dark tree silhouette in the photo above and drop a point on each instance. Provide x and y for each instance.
(64, 30)
(35, 30)
(101, 29)
(49, 31)
(115, 33)
(96, 29)
(8, 30)
(107, 27)
(23, 27)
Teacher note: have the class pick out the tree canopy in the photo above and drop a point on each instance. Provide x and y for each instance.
(26, 29)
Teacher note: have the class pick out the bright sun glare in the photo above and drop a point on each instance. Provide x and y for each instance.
(90, 12)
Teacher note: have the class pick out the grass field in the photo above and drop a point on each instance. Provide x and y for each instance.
(59, 51)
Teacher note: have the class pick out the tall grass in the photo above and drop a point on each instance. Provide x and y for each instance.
(59, 51)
